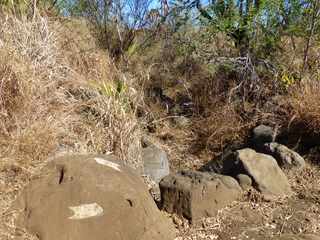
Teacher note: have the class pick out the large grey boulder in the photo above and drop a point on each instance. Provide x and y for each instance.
(285, 156)
(156, 163)
(267, 176)
(195, 195)
(90, 197)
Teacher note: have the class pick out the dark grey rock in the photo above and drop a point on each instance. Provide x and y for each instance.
(195, 195)
(262, 134)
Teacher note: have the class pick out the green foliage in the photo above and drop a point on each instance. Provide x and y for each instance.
(115, 91)
(251, 24)
(287, 79)
(111, 89)
(132, 49)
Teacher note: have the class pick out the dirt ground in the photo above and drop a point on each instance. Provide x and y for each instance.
(253, 218)
(249, 218)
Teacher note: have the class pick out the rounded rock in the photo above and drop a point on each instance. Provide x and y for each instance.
(244, 180)
(90, 197)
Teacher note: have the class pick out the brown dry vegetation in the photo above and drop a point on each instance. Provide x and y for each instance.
(225, 110)
(59, 86)
(59, 92)
(305, 103)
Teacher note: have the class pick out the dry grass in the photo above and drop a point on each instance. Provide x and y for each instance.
(47, 82)
(305, 102)
(223, 126)
(58, 93)
(215, 121)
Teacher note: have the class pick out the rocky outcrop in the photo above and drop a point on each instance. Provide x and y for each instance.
(194, 194)
(90, 197)
(284, 156)
(267, 176)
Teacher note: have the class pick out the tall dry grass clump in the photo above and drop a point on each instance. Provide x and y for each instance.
(58, 93)
(305, 103)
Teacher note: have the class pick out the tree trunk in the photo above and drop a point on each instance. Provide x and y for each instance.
(165, 8)
(241, 8)
(248, 6)
(257, 5)
(315, 15)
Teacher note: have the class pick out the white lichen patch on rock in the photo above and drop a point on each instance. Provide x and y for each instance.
(86, 211)
(107, 163)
